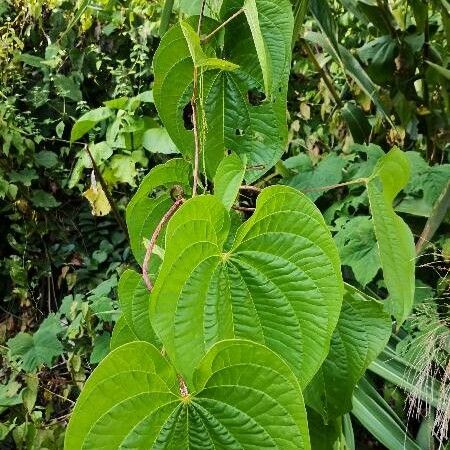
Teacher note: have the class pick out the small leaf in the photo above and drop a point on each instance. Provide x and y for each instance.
(42, 199)
(245, 396)
(327, 172)
(98, 200)
(358, 247)
(67, 87)
(100, 348)
(198, 56)
(361, 334)
(88, 121)
(357, 123)
(46, 159)
(39, 348)
(228, 179)
(395, 240)
(157, 140)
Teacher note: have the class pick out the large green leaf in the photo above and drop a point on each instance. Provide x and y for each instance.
(228, 179)
(362, 332)
(279, 283)
(395, 240)
(145, 211)
(244, 397)
(232, 103)
(134, 300)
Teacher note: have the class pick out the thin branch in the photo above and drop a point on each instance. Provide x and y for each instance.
(57, 395)
(437, 215)
(196, 137)
(200, 19)
(104, 186)
(194, 112)
(222, 25)
(323, 74)
(334, 186)
(154, 238)
(243, 208)
(246, 187)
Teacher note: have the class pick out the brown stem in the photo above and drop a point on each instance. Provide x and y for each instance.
(323, 74)
(222, 25)
(153, 240)
(104, 186)
(437, 215)
(202, 12)
(243, 208)
(246, 187)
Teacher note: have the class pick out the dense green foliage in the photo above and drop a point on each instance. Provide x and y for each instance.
(285, 314)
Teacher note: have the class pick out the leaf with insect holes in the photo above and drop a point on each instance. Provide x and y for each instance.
(235, 110)
(243, 396)
(282, 269)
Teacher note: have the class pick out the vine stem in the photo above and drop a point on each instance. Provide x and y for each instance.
(104, 186)
(243, 208)
(335, 186)
(194, 111)
(155, 235)
(222, 25)
(247, 187)
(196, 138)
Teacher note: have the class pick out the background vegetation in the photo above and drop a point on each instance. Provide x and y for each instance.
(366, 75)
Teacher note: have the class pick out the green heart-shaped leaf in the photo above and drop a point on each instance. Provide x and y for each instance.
(244, 397)
(279, 284)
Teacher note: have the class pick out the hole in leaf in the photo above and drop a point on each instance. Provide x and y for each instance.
(228, 151)
(255, 97)
(239, 132)
(187, 117)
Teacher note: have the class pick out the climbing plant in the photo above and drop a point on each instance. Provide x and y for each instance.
(240, 332)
